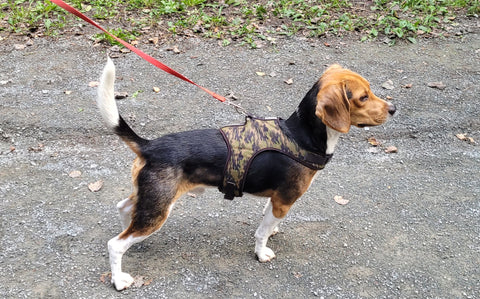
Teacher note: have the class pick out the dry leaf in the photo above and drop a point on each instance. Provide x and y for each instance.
(141, 281)
(75, 174)
(326, 44)
(408, 85)
(193, 195)
(340, 200)
(95, 187)
(391, 149)
(289, 81)
(19, 46)
(373, 141)
(464, 137)
(437, 85)
(37, 149)
(93, 83)
(261, 74)
(67, 92)
(105, 277)
(153, 40)
(156, 89)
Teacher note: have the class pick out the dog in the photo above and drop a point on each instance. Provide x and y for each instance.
(168, 167)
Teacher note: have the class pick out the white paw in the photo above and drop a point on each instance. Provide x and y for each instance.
(122, 281)
(265, 255)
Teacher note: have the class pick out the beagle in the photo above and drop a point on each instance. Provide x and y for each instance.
(168, 167)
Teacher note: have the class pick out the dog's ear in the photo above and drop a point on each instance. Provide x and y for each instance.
(333, 107)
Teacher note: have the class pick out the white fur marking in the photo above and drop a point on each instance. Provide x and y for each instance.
(105, 96)
(332, 139)
(264, 231)
(116, 248)
(125, 211)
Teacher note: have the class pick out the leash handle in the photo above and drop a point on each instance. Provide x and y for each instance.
(139, 52)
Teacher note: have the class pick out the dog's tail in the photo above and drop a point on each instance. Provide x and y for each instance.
(108, 109)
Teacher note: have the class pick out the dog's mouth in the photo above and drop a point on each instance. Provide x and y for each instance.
(363, 125)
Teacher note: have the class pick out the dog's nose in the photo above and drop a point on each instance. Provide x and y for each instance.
(392, 109)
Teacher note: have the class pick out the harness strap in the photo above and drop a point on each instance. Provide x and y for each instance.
(140, 53)
(246, 141)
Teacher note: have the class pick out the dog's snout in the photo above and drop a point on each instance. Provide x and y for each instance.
(391, 109)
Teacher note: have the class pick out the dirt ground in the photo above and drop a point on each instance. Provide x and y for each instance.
(411, 228)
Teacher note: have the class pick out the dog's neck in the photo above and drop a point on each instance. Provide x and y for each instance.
(308, 130)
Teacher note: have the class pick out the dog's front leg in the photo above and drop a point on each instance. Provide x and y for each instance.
(264, 231)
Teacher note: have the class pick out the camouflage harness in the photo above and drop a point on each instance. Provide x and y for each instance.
(246, 141)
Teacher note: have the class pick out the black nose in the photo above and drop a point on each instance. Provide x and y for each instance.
(392, 109)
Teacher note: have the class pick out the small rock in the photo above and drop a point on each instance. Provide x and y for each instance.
(119, 95)
(391, 149)
(388, 85)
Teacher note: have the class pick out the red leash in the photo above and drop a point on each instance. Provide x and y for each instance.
(139, 52)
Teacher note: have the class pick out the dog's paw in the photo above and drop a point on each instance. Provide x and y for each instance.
(122, 281)
(265, 255)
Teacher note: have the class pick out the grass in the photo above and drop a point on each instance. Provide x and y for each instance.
(247, 22)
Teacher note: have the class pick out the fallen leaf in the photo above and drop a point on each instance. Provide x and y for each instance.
(326, 44)
(19, 46)
(37, 149)
(464, 137)
(289, 81)
(105, 277)
(373, 141)
(340, 200)
(67, 92)
(389, 98)
(174, 50)
(153, 40)
(95, 187)
(75, 174)
(93, 83)
(388, 85)
(156, 89)
(260, 74)
(12, 149)
(193, 195)
(115, 48)
(391, 149)
(141, 281)
(437, 85)
(273, 74)
(408, 85)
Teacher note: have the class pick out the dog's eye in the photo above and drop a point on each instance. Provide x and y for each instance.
(364, 99)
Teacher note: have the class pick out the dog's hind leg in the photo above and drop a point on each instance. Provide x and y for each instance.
(125, 208)
(155, 197)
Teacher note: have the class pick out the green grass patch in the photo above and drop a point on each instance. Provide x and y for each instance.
(247, 22)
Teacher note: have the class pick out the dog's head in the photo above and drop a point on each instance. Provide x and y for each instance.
(345, 99)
